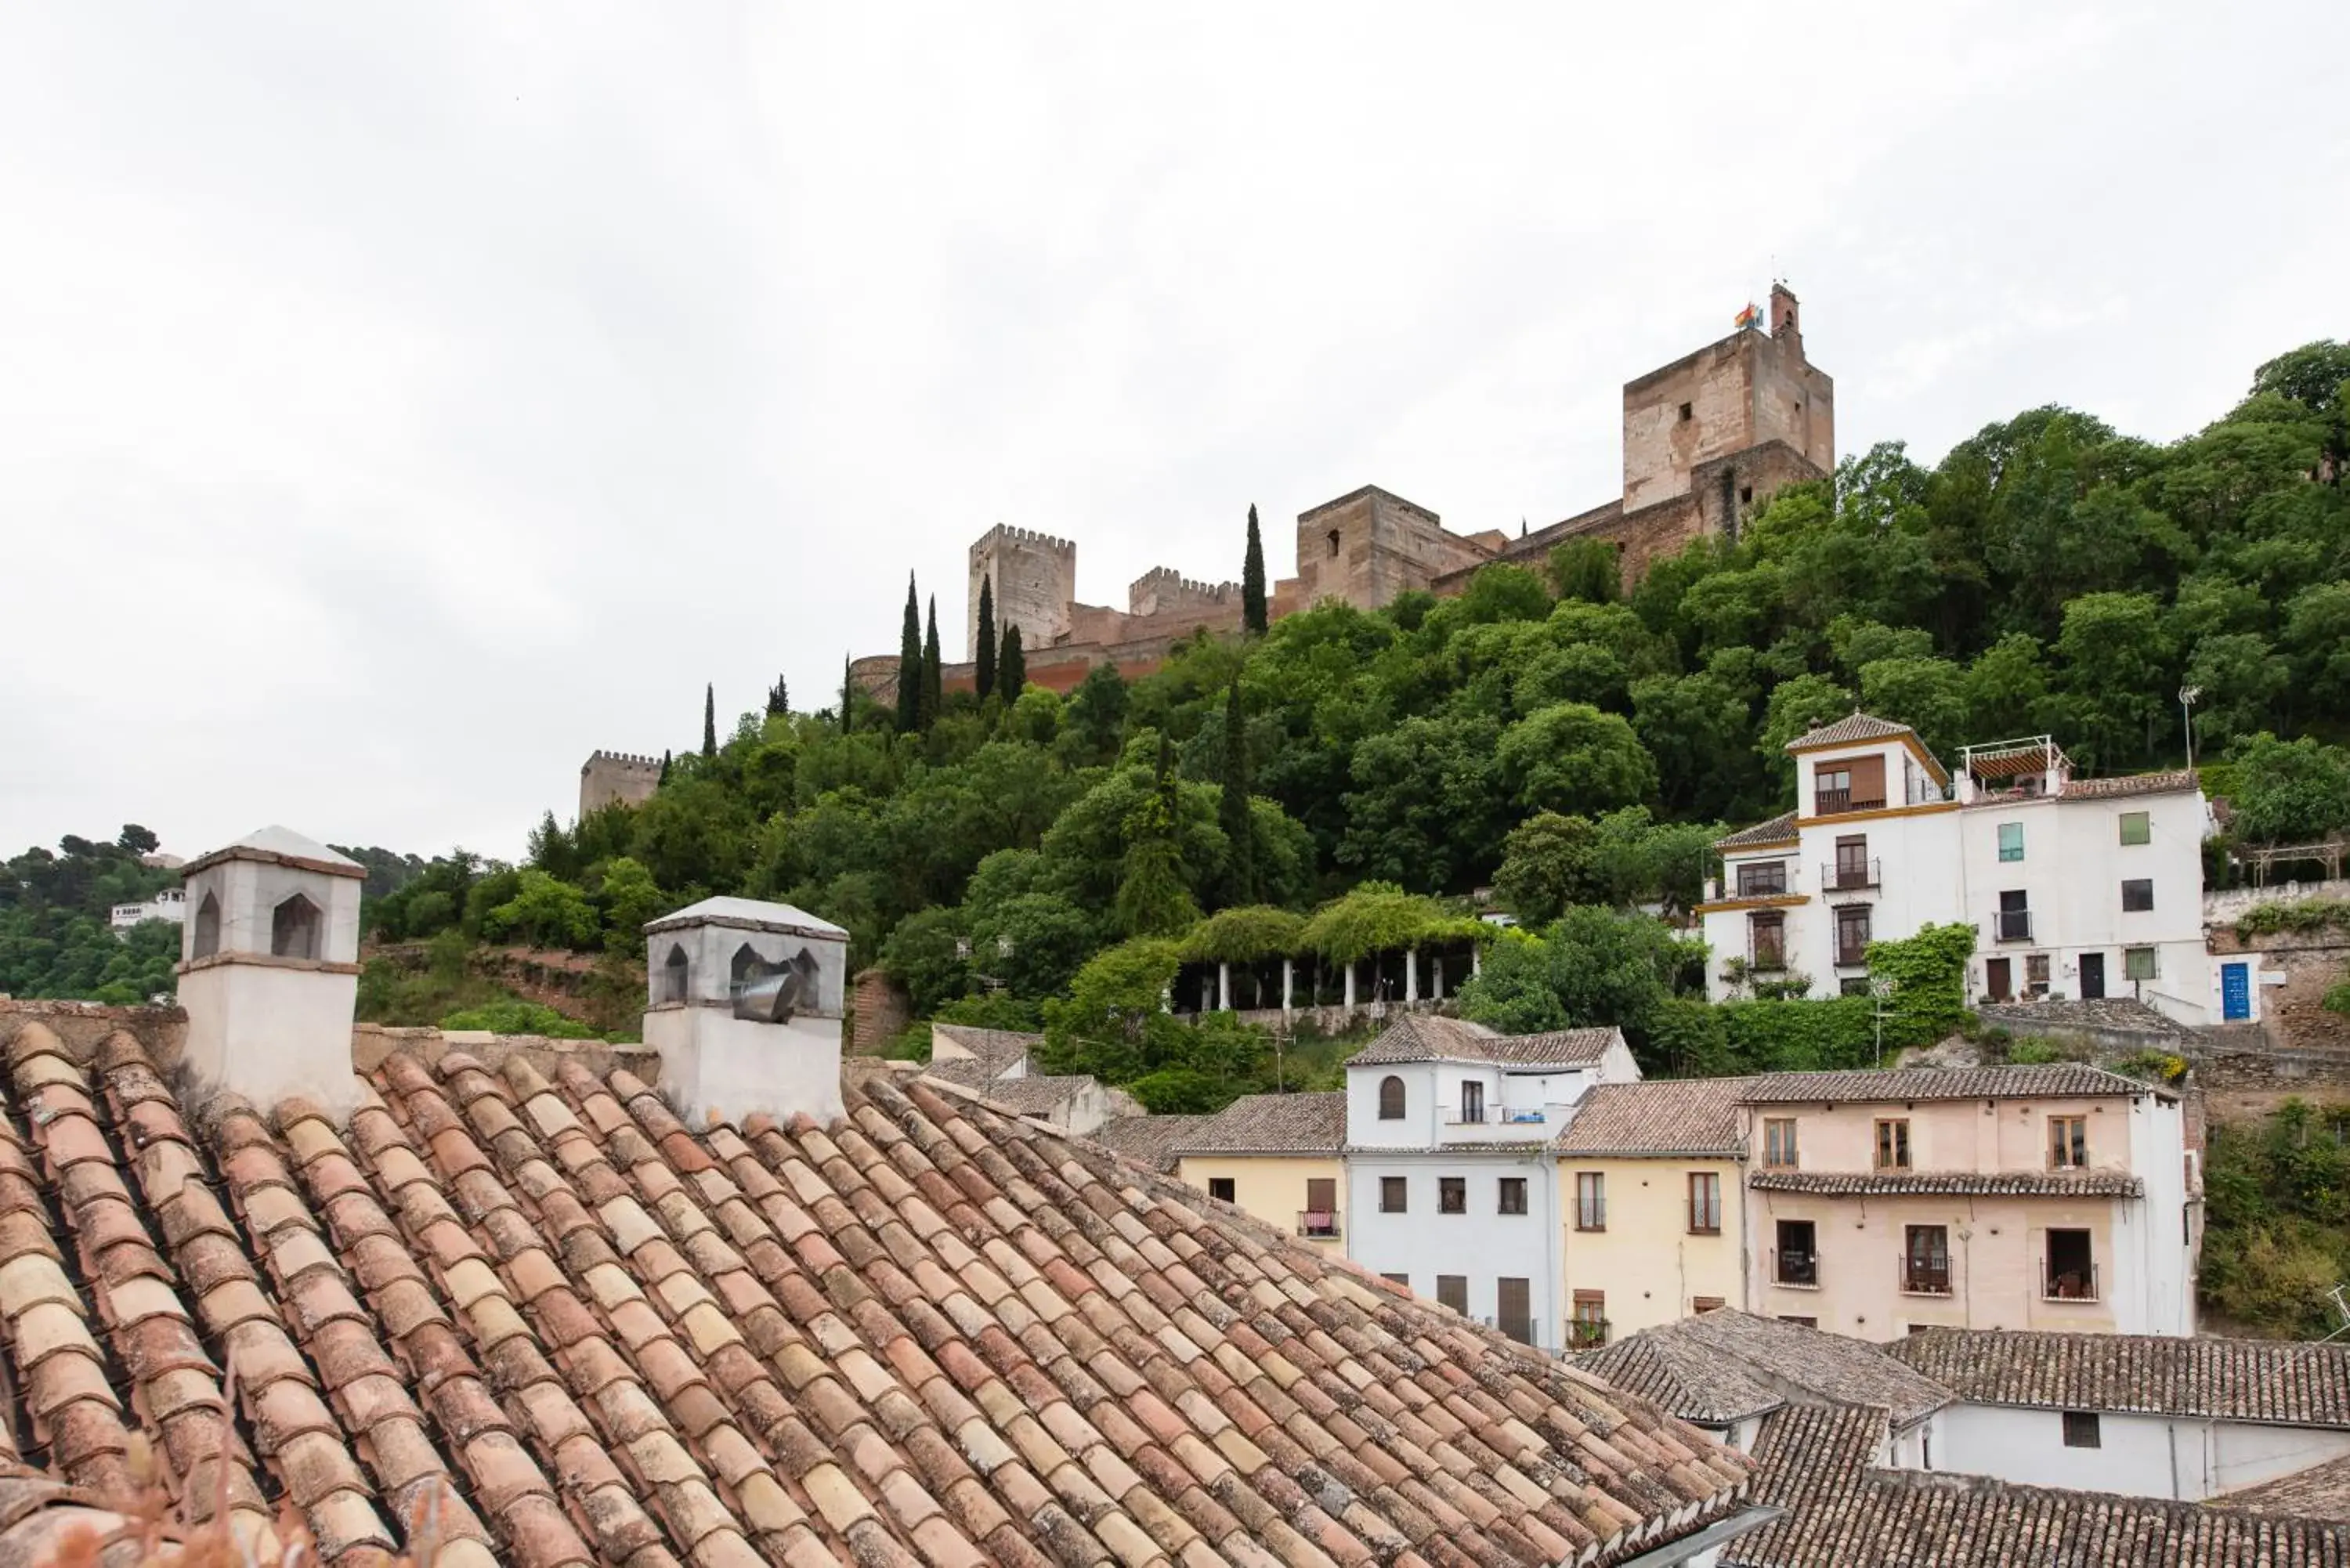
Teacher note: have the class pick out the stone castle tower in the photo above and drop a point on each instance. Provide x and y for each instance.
(608, 776)
(1036, 578)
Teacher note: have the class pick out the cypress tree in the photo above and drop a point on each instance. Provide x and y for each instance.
(910, 663)
(710, 720)
(1232, 808)
(664, 776)
(847, 698)
(1253, 581)
(932, 670)
(779, 698)
(1011, 666)
(983, 640)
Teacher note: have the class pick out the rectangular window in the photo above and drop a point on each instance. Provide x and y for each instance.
(1704, 1203)
(1590, 1319)
(1893, 1144)
(1926, 1261)
(2138, 964)
(1513, 1307)
(1851, 934)
(1451, 1195)
(1392, 1195)
(1472, 1100)
(2138, 895)
(2014, 916)
(2070, 1273)
(1452, 1290)
(1707, 1303)
(2068, 1143)
(2036, 974)
(1799, 1322)
(2081, 1429)
(1220, 1187)
(2137, 828)
(1852, 861)
(1403, 1280)
(2011, 841)
(1766, 940)
(1512, 1199)
(1320, 1216)
(1763, 880)
(1779, 1142)
(1796, 1261)
(1590, 1200)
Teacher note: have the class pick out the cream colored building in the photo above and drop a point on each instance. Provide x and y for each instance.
(1648, 1186)
(1276, 1158)
(2059, 1197)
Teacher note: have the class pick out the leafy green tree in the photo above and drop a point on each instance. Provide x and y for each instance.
(2117, 684)
(2242, 680)
(1573, 758)
(931, 954)
(138, 840)
(1591, 967)
(545, 912)
(1011, 664)
(983, 640)
(1095, 717)
(1428, 804)
(1154, 897)
(2289, 792)
(910, 680)
(1252, 618)
(933, 691)
(1587, 570)
(1548, 862)
(1232, 805)
(630, 900)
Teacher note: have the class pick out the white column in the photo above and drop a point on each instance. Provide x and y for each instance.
(1436, 976)
(1287, 974)
(1350, 985)
(1223, 986)
(1476, 960)
(1411, 974)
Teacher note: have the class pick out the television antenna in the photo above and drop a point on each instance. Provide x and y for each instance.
(2187, 697)
(1881, 992)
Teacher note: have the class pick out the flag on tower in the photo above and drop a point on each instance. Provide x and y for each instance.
(1750, 317)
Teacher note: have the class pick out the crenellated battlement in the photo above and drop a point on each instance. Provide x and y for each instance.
(621, 760)
(1004, 533)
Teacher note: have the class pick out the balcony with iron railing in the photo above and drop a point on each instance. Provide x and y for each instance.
(1851, 876)
(1835, 802)
(1318, 1224)
(2074, 1284)
(2012, 926)
(1797, 1271)
(1925, 1277)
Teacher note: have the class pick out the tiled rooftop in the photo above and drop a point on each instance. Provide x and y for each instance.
(1425, 1037)
(2321, 1492)
(1718, 1359)
(1850, 730)
(1149, 1140)
(2036, 1081)
(2118, 1014)
(927, 1335)
(995, 1050)
(1680, 1374)
(1657, 1116)
(1038, 1095)
(1775, 830)
(1842, 1514)
(2226, 1379)
(1274, 1123)
(1957, 1183)
(2134, 783)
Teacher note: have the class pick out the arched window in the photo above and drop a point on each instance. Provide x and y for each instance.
(746, 965)
(294, 928)
(675, 973)
(1391, 1098)
(207, 940)
(1334, 542)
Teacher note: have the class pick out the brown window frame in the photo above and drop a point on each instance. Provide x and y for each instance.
(1710, 1207)
(1591, 1200)
(1452, 1290)
(1391, 1098)
(2069, 1154)
(1780, 1151)
(1892, 1152)
(1452, 1195)
(1510, 1195)
(1395, 1194)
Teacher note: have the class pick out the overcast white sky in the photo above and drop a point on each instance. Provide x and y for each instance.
(399, 401)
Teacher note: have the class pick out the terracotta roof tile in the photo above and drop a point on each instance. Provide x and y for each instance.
(1657, 1116)
(1725, 1364)
(2227, 1379)
(1972, 1183)
(1272, 1123)
(928, 1334)
(1427, 1037)
(1778, 829)
(1853, 728)
(2039, 1081)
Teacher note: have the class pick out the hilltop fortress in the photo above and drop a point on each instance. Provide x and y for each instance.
(1707, 438)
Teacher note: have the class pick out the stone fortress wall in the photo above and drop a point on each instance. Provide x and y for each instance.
(608, 776)
(1708, 439)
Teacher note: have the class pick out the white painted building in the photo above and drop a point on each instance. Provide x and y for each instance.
(2076, 888)
(1451, 1182)
(2191, 1419)
(171, 904)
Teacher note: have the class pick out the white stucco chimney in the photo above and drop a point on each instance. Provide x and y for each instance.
(269, 970)
(744, 1004)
